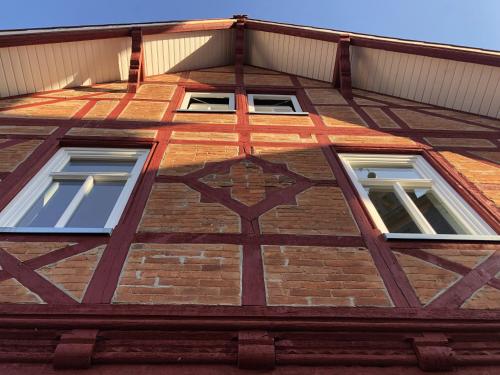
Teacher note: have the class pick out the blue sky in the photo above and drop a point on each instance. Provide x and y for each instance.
(463, 22)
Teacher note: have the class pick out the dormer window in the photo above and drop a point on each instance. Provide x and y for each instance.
(208, 102)
(274, 104)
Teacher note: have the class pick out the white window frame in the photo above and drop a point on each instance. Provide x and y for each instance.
(475, 227)
(296, 106)
(23, 201)
(189, 94)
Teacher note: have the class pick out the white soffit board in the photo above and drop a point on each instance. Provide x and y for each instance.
(175, 52)
(291, 54)
(462, 86)
(42, 67)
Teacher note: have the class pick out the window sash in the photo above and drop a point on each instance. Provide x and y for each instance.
(297, 110)
(188, 95)
(23, 201)
(460, 211)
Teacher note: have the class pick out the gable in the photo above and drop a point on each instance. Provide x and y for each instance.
(456, 78)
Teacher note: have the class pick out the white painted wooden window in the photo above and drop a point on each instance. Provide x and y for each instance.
(408, 199)
(208, 102)
(274, 104)
(79, 190)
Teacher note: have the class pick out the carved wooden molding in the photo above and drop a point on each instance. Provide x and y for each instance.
(433, 352)
(75, 349)
(136, 72)
(256, 350)
(344, 66)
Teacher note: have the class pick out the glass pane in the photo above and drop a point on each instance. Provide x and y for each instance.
(49, 207)
(80, 165)
(94, 210)
(208, 104)
(273, 105)
(392, 212)
(434, 211)
(389, 173)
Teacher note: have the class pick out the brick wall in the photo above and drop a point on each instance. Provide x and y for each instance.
(226, 196)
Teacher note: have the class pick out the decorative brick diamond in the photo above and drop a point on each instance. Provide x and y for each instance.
(247, 182)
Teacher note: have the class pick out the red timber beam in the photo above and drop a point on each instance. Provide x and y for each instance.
(342, 70)
(136, 72)
(476, 56)
(239, 45)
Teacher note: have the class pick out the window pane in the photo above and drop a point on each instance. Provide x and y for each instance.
(273, 105)
(94, 210)
(436, 214)
(49, 207)
(208, 104)
(390, 173)
(392, 212)
(79, 165)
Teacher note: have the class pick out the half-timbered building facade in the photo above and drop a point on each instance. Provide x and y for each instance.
(231, 195)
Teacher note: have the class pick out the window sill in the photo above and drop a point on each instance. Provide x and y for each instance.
(280, 113)
(202, 111)
(56, 230)
(442, 237)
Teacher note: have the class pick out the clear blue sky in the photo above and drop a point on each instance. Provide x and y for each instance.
(473, 23)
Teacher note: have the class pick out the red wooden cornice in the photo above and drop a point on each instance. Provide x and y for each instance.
(43, 36)
(416, 48)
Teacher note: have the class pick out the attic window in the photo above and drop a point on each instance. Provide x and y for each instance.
(208, 102)
(274, 104)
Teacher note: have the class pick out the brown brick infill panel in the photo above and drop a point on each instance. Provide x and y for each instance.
(463, 289)
(57, 255)
(32, 280)
(53, 101)
(102, 286)
(444, 263)
(16, 180)
(395, 280)
(468, 191)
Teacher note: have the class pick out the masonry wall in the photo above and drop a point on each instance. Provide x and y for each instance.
(252, 210)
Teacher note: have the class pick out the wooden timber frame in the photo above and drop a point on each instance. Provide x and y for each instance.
(69, 335)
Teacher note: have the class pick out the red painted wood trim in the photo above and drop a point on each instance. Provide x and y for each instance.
(136, 71)
(43, 37)
(33, 281)
(111, 315)
(463, 289)
(344, 67)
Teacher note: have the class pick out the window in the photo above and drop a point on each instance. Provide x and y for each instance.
(207, 102)
(407, 198)
(271, 104)
(80, 190)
